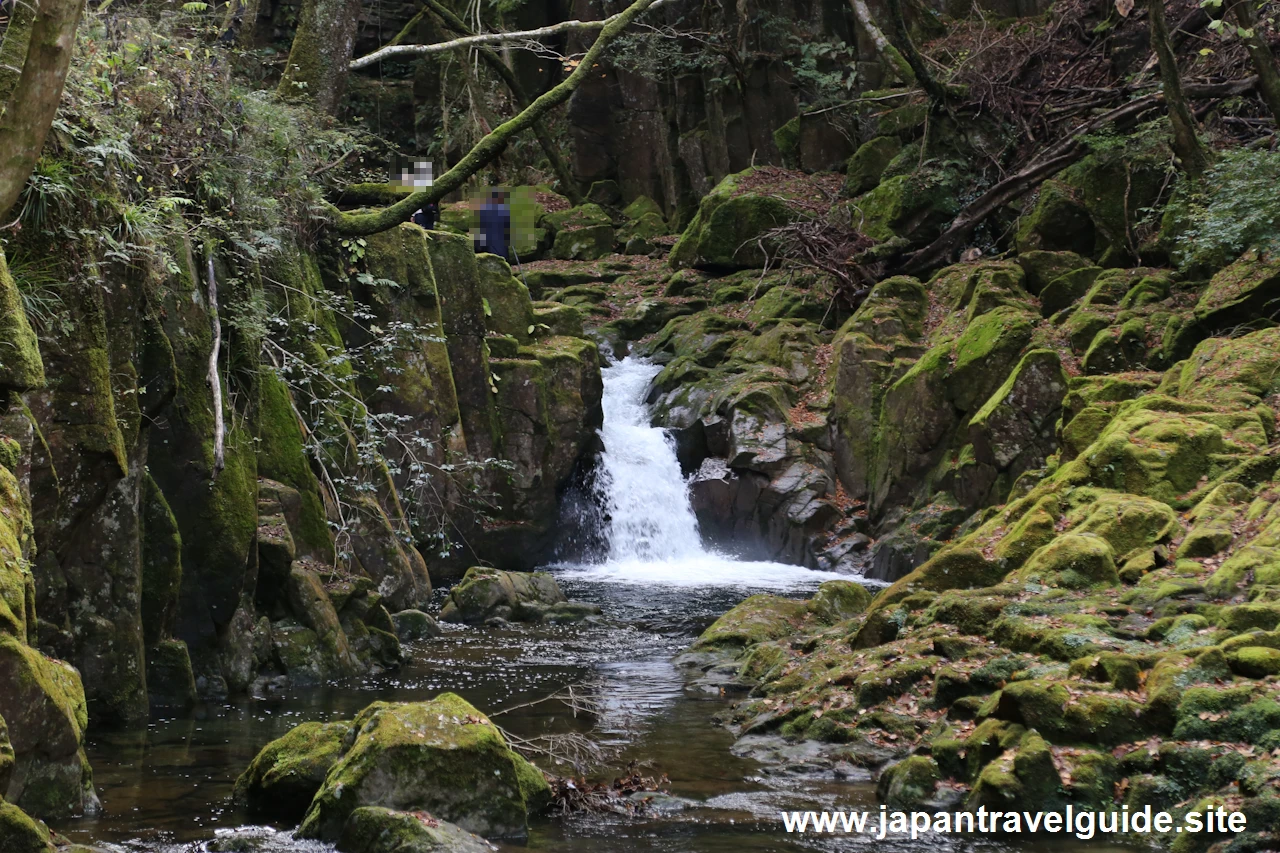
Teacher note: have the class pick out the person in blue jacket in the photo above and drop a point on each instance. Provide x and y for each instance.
(495, 224)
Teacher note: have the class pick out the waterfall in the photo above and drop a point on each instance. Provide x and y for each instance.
(643, 490)
(651, 529)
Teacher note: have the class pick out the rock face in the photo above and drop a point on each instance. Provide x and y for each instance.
(1111, 621)
(443, 757)
(485, 594)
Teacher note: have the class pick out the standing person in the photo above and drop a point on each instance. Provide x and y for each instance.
(495, 224)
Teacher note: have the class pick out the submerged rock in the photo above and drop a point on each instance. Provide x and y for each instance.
(486, 594)
(443, 757)
(377, 830)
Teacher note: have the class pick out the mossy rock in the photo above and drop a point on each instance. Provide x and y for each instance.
(19, 833)
(1017, 423)
(726, 232)
(21, 368)
(171, 682)
(1117, 349)
(786, 303)
(1073, 561)
(587, 243)
(284, 777)
(991, 344)
(1067, 289)
(508, 307)
(379, 830)
(756, 620)
(1058, 715)
(1247, 290)
(414, 625)
(484, 593)
(910, 783)
(1255, 661)
(643, 206)
(442, 756)
(1057, 222)
(908, 206)
(868, 163)
(836, 601)
(1027, 779)
(1042, 267)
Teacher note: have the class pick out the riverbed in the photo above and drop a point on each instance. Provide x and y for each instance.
(167, 788)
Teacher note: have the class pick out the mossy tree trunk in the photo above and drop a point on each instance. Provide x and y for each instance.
(321, 53)
(568, 186)
(34, 101)
(924, 77)
(488, 148)
(1185, 143)
(889, 54)
(1260, 52)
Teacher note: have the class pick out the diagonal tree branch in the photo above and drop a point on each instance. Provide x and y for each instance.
(488, 148)
(568, 186)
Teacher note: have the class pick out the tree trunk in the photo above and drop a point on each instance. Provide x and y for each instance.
(1263, 62)
(358, 224)
(568, 186)
(34, 101)
(240, 22)
(898, 21)
(321, 53)
(889, 54)
(1185, 143)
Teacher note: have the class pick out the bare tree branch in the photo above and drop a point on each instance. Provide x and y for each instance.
(392, 51)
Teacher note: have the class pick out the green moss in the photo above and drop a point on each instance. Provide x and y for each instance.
(868, 163)
(836, 601)
(989, 347)
(1256, 661)
(441, 756)
(910, 783)
(20, 834)
(1073, 561)
(727, 228)
(1241, 293)
(284, 777)
(20, 366)
(1042, 267)
(755, 620)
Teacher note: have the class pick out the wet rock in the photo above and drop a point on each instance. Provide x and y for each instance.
(443, 757)
(45, 711)
(20, 834)
(415, 625)
(378, 830)
(284, 777)
(513, 596)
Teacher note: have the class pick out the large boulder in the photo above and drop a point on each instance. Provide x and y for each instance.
(443, 757)
(727, 231)
(485, 594)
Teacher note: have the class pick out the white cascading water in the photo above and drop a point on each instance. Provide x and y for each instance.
(653, 533)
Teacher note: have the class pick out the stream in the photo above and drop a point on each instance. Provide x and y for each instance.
(167, 788)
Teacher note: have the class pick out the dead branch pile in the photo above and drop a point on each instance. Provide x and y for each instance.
(624, 795)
